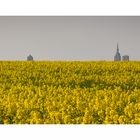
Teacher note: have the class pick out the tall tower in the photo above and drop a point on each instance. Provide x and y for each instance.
(117, 56)
(117, 48)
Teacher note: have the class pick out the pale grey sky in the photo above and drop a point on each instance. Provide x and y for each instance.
(69, 37)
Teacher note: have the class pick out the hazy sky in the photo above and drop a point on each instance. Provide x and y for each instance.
(69, 38)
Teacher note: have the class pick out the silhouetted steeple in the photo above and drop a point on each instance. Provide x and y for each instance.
(117, 47)
(117, 56)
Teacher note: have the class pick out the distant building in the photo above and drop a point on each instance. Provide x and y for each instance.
(117, 56)
(29, 58)
(125, 58)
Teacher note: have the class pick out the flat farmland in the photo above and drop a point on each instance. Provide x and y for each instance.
(69, 92)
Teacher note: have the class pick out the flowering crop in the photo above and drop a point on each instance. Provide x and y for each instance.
(69, 92)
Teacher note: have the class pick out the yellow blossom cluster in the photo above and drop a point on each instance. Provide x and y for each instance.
(47, 92)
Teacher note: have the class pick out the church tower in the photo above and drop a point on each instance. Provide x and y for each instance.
(29, 58)
(117, 56)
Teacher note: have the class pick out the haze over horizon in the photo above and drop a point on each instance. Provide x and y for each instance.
(69, 37)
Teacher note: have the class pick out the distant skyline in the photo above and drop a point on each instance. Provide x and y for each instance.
(69, 37)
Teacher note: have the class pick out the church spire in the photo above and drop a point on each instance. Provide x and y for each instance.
(117, 47)
(117, 56)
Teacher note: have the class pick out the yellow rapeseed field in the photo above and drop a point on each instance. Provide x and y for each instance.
(69, 92)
